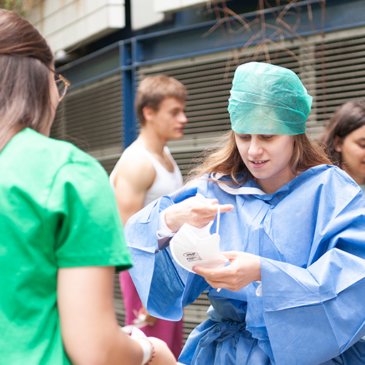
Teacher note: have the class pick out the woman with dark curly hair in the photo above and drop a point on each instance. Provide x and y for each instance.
(344, 138)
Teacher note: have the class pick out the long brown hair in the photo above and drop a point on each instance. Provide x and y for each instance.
(24, 77)
(347, 119)
(227, 159)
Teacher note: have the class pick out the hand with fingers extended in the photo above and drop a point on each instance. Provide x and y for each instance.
(196, 211)
(244, 268)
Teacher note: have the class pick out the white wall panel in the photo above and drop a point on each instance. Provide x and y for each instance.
(68, 23)
(193, 2)
(174, 5)
(143, 14)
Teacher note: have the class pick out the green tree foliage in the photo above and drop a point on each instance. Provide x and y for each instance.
(20, 6)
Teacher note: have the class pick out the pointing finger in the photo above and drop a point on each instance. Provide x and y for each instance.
(213, 209)
(226, 208)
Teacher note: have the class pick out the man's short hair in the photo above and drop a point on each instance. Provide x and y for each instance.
(154, 89)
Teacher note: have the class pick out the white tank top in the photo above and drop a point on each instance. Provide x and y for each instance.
(165, 183)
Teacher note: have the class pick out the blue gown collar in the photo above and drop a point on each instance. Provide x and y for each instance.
(279, 194)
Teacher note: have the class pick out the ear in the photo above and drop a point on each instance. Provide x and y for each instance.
(338, 144)
(148, 113)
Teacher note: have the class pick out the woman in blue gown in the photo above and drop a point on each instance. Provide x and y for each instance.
(293, 230)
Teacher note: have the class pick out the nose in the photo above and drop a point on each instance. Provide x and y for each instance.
(182, 118)
(255, 148)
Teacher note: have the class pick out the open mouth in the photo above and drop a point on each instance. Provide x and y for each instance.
(259, 162)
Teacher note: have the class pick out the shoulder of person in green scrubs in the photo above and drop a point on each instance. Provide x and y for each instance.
(58, 212)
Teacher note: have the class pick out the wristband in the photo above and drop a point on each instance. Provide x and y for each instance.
(153, 352)
(148, 350)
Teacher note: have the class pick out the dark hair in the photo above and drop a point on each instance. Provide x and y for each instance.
(25, 58)
(344, 121)
(227, 159)
(153, 90)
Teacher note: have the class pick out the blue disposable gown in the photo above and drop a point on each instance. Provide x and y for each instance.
(310, 236)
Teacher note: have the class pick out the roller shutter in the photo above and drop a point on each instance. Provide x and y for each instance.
(91, 118)
(343, 75)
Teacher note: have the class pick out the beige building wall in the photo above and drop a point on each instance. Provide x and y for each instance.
(69, 23)
(143, 14)
(174, 5)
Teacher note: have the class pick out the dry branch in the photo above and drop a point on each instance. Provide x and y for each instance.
(230, 23)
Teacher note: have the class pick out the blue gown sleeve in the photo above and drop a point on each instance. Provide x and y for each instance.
(322, 305)
(163, 286)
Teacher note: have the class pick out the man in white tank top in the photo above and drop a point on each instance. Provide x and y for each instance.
(147, 171)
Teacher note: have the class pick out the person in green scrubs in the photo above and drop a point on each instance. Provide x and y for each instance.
(344, 138)
(61, 238)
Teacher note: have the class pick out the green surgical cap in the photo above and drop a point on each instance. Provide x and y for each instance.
(268, 99)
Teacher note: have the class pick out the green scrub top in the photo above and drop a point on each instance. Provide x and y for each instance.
(57, 211)
(363, 188)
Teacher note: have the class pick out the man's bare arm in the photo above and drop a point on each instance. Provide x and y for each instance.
(134, 176)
